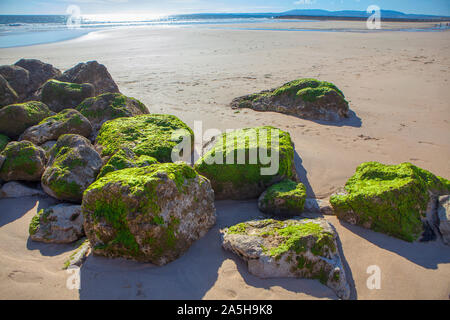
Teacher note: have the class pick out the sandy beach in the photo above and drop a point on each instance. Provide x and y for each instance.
(397, 84)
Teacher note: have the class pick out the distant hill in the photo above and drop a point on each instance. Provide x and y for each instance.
(312, 13)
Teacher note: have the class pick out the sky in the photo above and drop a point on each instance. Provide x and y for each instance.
(164, 7)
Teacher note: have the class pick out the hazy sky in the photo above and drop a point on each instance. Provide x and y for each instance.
(438, 7)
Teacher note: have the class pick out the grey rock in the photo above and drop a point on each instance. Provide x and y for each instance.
(68, 121)
(305, 248)
(318, 206)
(91, 72)
(18, 78)
(7, 93)
(73, 165)
(62, 223)
(15, 189)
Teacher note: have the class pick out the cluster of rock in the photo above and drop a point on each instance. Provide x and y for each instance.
(110, 164)
(305, 98)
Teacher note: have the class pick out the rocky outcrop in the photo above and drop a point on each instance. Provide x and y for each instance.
(68, 121)
(304, 248)
(151, 214)
(39, 73)
(19, 79)
(237, 170)
(16, 118)
(22, 161)
(306, 98)
(124, 159)
(153, 135)
(15, 189)
(59, 95)
(91, 72)
(59, 224)
(286, 198)
(110, 106)
(392, 199)
(7, 93)
(72, 166)
(443, 213)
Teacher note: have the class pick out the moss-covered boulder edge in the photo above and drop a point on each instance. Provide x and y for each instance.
(392, 199)
(306, 98)
(286, 198)
(151, 214)
(300, 248)
(246, 181)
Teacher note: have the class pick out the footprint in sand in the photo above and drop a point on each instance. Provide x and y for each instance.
(24, 277)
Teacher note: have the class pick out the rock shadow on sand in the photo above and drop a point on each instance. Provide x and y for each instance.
(425, 254)
(191, 276)
(352, 121)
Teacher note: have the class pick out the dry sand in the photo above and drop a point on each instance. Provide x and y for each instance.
(397, 85)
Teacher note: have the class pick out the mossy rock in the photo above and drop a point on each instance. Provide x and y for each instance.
(7, 93)
(124, 159)
(68, 121)
(72, 166)
(110, 106)
(22, 161)
(391, 199)
(243, 178)
(151, 214)
(305, 248)
(65, 95)
(16, 118)
(62, 223)
(4, 140)
(153, 135)
(286, 198)
(306, 98)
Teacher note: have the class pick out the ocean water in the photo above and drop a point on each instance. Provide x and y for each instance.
(26, 30)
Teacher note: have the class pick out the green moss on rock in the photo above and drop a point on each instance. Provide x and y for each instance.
(146, 135)
(391, 199)
(16, 118)
(236, 180)
(4, 140)
(286, 198)
(131, 212)
(23, 161)
(60, 95)
(124, 159)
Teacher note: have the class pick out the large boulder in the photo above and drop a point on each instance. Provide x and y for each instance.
(4, 140)
(91, 72)
(124, 159)
(62, 223)
(392, 199)
(22, 161)
(153, 135)
(39, 73)
(18, 78)
(68, 121)
(65, 95)
(286, 198)
(72, 166)
(7, 93)
(443, 212)
(237, 170)
(16, 118)
(305, 98)
(304, 248)
(110, 106)
(150, 214)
